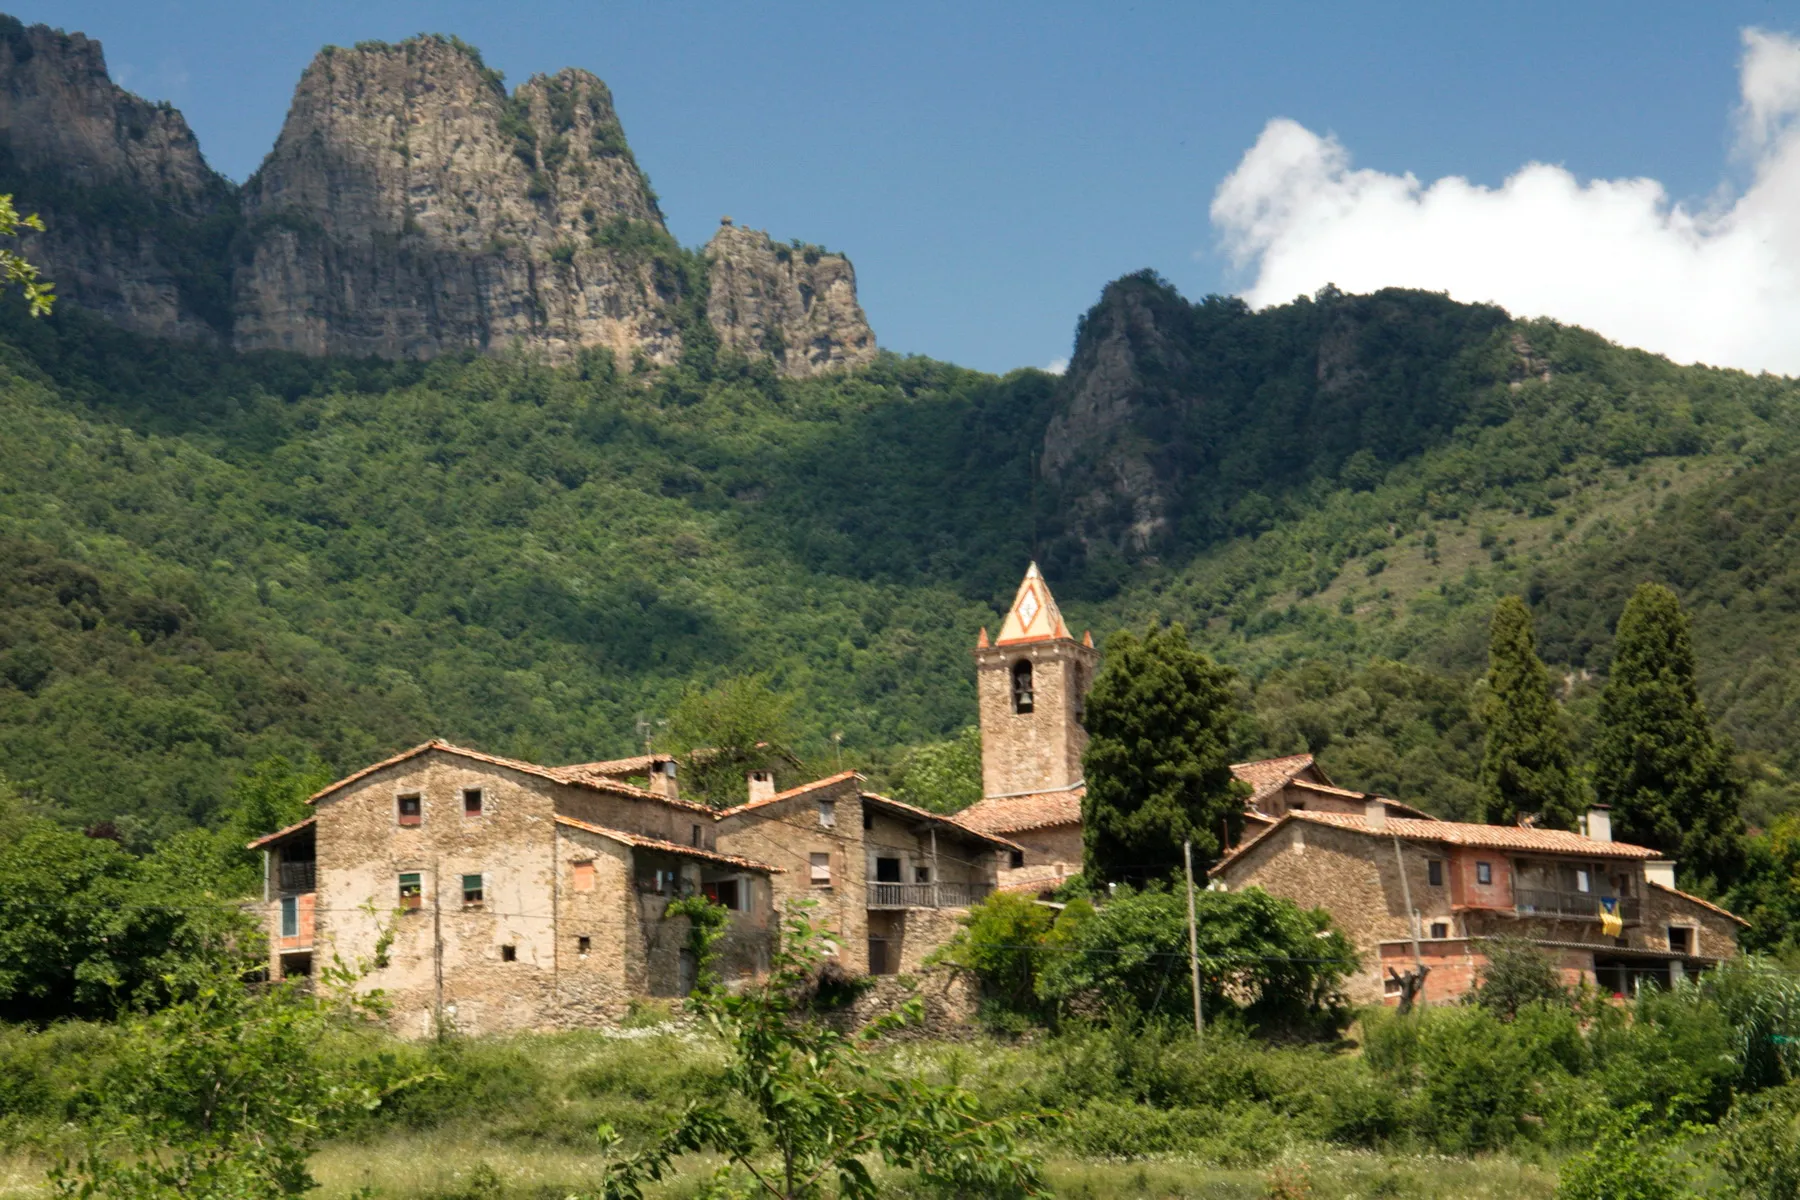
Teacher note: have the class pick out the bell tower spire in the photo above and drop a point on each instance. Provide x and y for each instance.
(1032, 685)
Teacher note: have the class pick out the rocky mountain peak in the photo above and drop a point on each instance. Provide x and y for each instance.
(136, 222)
(791, 302)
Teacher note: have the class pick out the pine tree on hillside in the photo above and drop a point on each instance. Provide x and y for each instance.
(1158, 766)
(1657, 761)
(1526, 765)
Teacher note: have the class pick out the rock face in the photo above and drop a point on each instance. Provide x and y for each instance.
(411, 208)
(137, 225)
(795, 304)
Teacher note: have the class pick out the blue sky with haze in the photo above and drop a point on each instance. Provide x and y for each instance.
(988, 167)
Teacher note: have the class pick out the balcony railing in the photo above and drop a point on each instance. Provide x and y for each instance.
(297, 876)
(927, 895)
(1546, 902)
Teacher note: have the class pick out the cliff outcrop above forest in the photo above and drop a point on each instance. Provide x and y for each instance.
(137, 225)
(411, 207)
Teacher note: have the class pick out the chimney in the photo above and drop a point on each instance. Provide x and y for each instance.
(662, 780)
(762, 785)
(1599, 823)
(1661, 870)
(1375, 813)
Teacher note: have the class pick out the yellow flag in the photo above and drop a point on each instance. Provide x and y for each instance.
(1610, 924)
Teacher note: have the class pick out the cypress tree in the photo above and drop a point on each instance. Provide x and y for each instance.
(1526, 766)
(1657, 761)
(1158, 763)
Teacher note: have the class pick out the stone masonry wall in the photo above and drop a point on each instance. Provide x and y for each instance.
(1039, 751)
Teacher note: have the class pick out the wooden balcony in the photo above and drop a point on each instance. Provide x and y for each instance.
(293, 877)
(927, 895)
(1547, 902)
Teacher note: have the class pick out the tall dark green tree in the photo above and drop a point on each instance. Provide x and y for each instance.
(1526, 765)
(1657, 762)
(1158, 763)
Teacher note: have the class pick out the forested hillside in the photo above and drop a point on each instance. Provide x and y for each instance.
(210, 557)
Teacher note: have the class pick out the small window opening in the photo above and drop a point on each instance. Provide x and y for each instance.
(583, 876)
(1434, 872)
(723, 892)
(410, 809)
(472, 891)
(921, 874)
(290, 916)
(828, 813)
(696, 835)
(1391, 985)
(1484, 873)
(1440, 929)
(583, 945)
(1021, 682)
(868, 819)
(1015, 859)
(471, 802)
(412, 890)
(509, 954)
(821, 869)
(1681, 939)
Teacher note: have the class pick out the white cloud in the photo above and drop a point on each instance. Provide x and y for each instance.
(1719, 284)
(1057, 366)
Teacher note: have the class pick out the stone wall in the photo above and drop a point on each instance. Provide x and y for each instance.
(1039, 751)
(1713, 936)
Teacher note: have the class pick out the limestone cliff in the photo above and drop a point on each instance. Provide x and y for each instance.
(137, 225)
(411, 207)
(793, 303)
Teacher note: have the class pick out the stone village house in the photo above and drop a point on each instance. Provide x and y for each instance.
(1608, 913)
(520, 896)
(529, 897)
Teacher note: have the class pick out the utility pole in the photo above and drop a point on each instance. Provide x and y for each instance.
(437, 943)
(1187, 855)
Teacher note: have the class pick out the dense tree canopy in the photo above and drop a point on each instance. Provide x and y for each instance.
(1158, 760)
(1526, 765)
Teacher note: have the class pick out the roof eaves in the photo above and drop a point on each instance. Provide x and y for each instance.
(645, 842)
(1706, 904)
(791, 793)
(267, 838)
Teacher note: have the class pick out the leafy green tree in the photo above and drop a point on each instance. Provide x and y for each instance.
(820, 1107)
(226, 1094)
(1260, 955)
(724, 732)
(39, 294)
(87, 929)
(1657, 762)
(1526, 765)
(1158, 760)
(943, 776)
(1000, 942)
(1516, 974)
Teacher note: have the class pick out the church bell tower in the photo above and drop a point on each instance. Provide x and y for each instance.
(1032, 683)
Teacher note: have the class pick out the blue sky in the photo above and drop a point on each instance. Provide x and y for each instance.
(989, 167)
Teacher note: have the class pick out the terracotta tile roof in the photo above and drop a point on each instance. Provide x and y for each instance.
(1266, 775)
(266, 838)
(1015, 814)
(640, 841)
(1706, 904)
(592, 784)
(953, 821)
(778, 797)
(1392, 805)
(614, 768)
(1458, 833)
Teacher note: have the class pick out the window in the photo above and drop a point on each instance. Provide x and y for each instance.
(1391, 985)
(868, 819)
(583, 873)
(1484, 873)
(1440, 929)
(412, 890)
(821, 870)
(410, 809)
(1434, 872)
(1015, 859)
(696, 835)
(509, 954)
(827, 813)
(921, 874)
(1021, 681)
(471, 802)
(472, 891)
(1681, 939)
(583, 945)
(290, 916)
(723, 892)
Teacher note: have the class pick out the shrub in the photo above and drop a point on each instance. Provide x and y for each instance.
(1000, 942)
(1759, 1145)
(1624, 1164)
(1517, 973)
